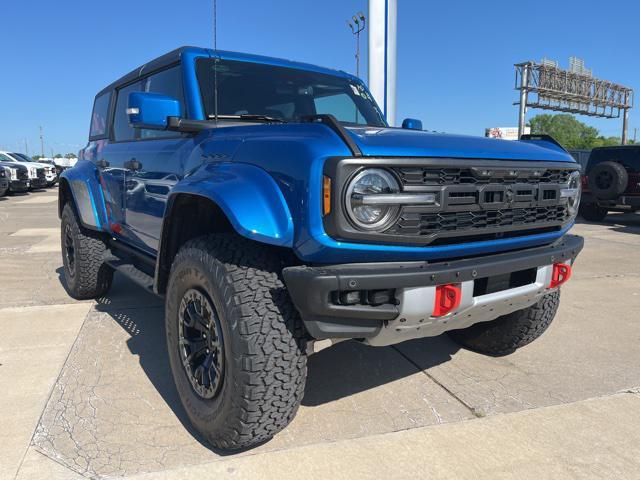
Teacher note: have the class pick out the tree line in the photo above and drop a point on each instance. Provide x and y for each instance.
(570, 133)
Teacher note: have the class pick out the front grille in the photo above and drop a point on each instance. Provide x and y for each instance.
(40, 173)
(23, 175)
(418, 176)
(418, 224)
(473, 200)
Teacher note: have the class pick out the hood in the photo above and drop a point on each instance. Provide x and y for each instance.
(398, 142)
(17, 166)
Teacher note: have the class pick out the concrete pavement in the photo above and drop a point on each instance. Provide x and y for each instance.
(97, 399)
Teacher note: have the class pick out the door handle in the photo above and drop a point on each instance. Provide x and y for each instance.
(133, 164)
(102, 163)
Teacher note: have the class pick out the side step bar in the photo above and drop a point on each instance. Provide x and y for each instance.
(127, 267)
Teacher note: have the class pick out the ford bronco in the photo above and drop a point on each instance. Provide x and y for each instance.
(611, 182)
(274, 209)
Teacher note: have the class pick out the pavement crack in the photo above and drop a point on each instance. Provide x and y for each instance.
(474, 411)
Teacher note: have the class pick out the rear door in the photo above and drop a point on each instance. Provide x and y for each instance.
(109, 149)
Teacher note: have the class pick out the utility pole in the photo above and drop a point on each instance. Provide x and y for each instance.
(41, 142)
(635, 132)
(26, 147)
(524, 91)
(357, 24)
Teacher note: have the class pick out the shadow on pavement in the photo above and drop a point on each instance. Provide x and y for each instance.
(351, 367)
(617, 222)
(334, 373)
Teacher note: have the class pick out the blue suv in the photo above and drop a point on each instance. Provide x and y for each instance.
(274, 209)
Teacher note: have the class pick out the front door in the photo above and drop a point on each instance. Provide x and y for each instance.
(154, 167)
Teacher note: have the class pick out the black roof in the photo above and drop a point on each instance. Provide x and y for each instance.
(155, 64)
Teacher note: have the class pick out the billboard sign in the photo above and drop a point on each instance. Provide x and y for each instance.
(504, 133)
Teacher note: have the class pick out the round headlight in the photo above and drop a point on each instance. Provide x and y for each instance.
(362, 211)
(572, 193)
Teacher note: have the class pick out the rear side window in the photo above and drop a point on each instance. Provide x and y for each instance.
(167, 82)
(99, 116)
(122, 131)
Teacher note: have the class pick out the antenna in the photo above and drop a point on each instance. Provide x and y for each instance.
(215, 61)
(215, 24)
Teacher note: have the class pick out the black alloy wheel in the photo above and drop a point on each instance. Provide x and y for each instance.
(201, 344)
(604, 179)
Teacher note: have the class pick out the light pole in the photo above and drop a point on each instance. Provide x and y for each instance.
(41, 143)
(357, 24)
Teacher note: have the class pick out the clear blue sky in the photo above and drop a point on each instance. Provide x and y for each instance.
(455, 58)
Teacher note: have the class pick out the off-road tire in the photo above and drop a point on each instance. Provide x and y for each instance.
(91, 277)
(263, 340)
(607, 180)
(512, 331)
(592, 212)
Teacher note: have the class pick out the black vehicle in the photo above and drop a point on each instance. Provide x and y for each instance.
(611, 182)
(17, 176)
(5, 174)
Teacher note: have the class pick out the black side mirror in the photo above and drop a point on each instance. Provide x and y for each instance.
(412, 124)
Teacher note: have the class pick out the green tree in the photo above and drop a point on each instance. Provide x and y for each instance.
(37, 157)
(57, 155)
(568, 131)
(70, 155)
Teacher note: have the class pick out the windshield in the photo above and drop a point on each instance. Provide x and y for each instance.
(286, 94)
(22, 157)
(6, 158)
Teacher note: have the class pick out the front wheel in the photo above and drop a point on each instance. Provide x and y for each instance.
(235, 341)
(512, 331)
(592, 212)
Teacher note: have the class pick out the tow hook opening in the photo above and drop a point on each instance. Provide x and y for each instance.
(561, 273)
(447, 299)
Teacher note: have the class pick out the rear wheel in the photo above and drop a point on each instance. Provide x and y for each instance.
(512, 331)
(236, 342)
(592, 212)
(85, 272)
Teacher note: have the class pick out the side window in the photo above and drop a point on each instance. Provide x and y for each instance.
(167, 82)
(99, 116)
(122, 131)
(341, 106)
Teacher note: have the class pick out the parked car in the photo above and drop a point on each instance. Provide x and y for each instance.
(611, 182)
(36, 173)
(50, 174)
(280, 210)
(5, 178)
(18, 176)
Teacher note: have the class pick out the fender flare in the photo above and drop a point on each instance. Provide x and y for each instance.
(248, 196)
(86, 194)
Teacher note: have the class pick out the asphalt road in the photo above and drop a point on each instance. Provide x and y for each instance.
(87, 389)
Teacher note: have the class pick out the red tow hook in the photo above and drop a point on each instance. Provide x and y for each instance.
(561, 273)
(447, 299)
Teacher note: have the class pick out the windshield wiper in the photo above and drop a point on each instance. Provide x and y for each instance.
(250, 118)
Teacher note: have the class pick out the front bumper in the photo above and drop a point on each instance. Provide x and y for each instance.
(19, 185)
(38, 182)
(314, 290)
(623, 201)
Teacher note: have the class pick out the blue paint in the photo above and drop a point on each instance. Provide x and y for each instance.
(152, 109)
(267, 178)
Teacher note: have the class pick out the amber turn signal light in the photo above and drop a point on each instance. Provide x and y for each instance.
(326, 195)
